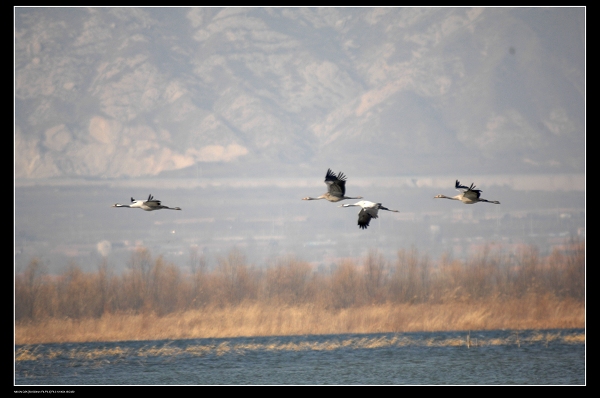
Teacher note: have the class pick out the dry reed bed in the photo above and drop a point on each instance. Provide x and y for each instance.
(152, 299)
(251, 319)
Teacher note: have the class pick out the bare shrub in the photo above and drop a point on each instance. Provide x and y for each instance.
(482, 275)
(409, 281)
(527, 271)
(199, 295)
(447, 280)
(287, 281)
(375, 273)
(165, 283)
(136, 280)
(346, 285)
(75, 292)
(104, 289)
(575, 270)
(235, 278)
(28, 290)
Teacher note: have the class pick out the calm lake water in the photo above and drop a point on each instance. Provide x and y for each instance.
(536, 357)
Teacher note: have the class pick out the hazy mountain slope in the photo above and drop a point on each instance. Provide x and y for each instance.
(111, 92)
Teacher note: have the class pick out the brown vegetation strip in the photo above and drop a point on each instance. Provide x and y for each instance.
(258, 320)
(152, 299)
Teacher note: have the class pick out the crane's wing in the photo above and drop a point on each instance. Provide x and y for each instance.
(336, 185)
(460, 187)
(151, 202)
(470, 191)
(365, 216)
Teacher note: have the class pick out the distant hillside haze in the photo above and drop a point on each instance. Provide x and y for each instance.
(112, 92)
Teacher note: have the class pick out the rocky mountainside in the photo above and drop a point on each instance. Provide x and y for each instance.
(130, 92)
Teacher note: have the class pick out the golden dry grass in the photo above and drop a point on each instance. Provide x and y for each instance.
(250, 319)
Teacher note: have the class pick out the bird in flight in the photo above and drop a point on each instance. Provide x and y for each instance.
(469, 195)
(368, 211)
(336, 188)
(148, 204)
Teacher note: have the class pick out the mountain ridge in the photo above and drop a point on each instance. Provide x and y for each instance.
(136, 92)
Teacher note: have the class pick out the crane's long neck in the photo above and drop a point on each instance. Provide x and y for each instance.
(449, 197)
